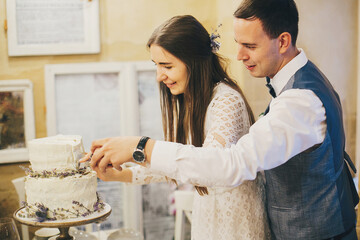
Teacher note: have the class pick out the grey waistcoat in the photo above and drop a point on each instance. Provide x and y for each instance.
(309, 197)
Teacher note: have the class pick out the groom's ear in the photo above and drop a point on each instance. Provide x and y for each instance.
(284, 42)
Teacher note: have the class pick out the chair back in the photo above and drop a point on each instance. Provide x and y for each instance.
(19, 184)
(183, 204)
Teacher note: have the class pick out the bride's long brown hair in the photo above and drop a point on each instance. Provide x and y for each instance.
(183, 115)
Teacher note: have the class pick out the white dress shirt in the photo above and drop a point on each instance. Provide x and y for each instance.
(296, 122)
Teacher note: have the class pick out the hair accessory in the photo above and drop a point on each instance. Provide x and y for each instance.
(214, 44)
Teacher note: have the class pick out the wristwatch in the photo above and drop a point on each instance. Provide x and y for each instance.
(138, 154)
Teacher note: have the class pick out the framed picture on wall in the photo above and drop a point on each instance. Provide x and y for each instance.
(52, 27)
(17, 125)
(94, 100)
(97, 100)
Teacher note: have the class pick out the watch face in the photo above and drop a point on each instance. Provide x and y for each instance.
(138, 156)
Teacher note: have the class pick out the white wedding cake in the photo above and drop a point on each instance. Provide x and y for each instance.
(56, 186)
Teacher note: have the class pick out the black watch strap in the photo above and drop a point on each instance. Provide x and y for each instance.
(142, 142)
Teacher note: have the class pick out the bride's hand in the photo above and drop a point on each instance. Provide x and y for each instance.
(112, 151)
(112, 174)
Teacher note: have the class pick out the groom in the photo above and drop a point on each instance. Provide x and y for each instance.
(299, 143)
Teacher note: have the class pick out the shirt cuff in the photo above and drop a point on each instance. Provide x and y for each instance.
(163, 157)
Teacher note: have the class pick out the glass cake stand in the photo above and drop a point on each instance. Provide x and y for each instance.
(64, 225)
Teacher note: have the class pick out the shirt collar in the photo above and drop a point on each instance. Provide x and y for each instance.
(283, 76)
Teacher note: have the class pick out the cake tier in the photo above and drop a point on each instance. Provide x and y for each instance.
(71, 196)
(56, 152)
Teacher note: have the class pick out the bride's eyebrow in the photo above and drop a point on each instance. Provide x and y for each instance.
(162, 63)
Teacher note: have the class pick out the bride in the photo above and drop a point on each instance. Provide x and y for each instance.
(203, 106)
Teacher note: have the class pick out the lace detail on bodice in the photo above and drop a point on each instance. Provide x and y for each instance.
(225, 213)
(227, 119)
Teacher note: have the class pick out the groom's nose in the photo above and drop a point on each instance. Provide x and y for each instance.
(242, 53)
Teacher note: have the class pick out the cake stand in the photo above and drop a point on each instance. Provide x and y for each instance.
(64, 225)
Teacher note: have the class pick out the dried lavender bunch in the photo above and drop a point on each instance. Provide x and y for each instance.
(56, 173)
(41, 213)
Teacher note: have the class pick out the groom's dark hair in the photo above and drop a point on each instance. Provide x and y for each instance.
(276, 16)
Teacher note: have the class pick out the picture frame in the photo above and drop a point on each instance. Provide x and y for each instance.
(17, 124)
(97, 100)
(51, 27)
(76, 90)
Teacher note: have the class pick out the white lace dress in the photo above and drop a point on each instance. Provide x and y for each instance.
(225, 213)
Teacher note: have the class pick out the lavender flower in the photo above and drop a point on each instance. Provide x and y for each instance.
(41, 213)
(99, 205)
(214, 44)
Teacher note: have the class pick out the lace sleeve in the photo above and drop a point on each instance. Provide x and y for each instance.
(227, 121)
(143, 175)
